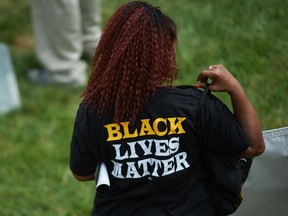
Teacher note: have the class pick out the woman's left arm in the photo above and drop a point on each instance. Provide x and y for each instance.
(224, 81)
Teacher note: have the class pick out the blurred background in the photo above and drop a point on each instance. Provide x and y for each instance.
(248, 37)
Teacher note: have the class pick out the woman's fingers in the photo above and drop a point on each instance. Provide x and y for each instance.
(221, 79)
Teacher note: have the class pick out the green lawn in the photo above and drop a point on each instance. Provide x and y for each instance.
(248, 37)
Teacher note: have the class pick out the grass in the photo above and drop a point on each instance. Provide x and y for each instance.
(248, 37)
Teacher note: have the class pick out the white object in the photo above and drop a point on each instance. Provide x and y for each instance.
(103, 182)
(266, 189)
(9, 92)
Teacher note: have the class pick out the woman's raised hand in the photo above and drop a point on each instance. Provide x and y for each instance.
(221, 80)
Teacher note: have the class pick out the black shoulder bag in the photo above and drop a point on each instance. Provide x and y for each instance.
(225, 176)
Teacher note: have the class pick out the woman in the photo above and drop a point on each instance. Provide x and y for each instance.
(144, 129)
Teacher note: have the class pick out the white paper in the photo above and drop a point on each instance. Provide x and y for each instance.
(103, 182)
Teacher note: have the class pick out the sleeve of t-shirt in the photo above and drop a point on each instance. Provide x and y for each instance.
(222, 133)
(82, 159)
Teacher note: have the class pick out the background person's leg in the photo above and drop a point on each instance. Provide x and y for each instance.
(91, 25)
(58, 35)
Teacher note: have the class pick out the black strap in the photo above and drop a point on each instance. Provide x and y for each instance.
(204, 95)
(201, 102)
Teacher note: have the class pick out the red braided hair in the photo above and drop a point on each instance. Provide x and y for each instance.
(135, 55)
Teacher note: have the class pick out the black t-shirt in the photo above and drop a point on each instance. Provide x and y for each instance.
(155, 165)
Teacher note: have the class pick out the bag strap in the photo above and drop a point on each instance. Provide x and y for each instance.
(200, 104)
(204, 95)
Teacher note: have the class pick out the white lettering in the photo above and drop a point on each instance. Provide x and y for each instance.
(156, 163)
(132, 171)
(181, 160)
(118, 154)
(168, 166)
(117, 171)
(147, 149)
(161, 148)
(158, 158)
(174, 145)
(132, 149)
(144, 164)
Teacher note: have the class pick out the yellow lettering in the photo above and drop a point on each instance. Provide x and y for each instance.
(113, 132)
(174, 126)
(127, 133)
(156, 129)
(146, 128)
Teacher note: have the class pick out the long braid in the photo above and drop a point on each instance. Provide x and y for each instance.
(135, 55)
